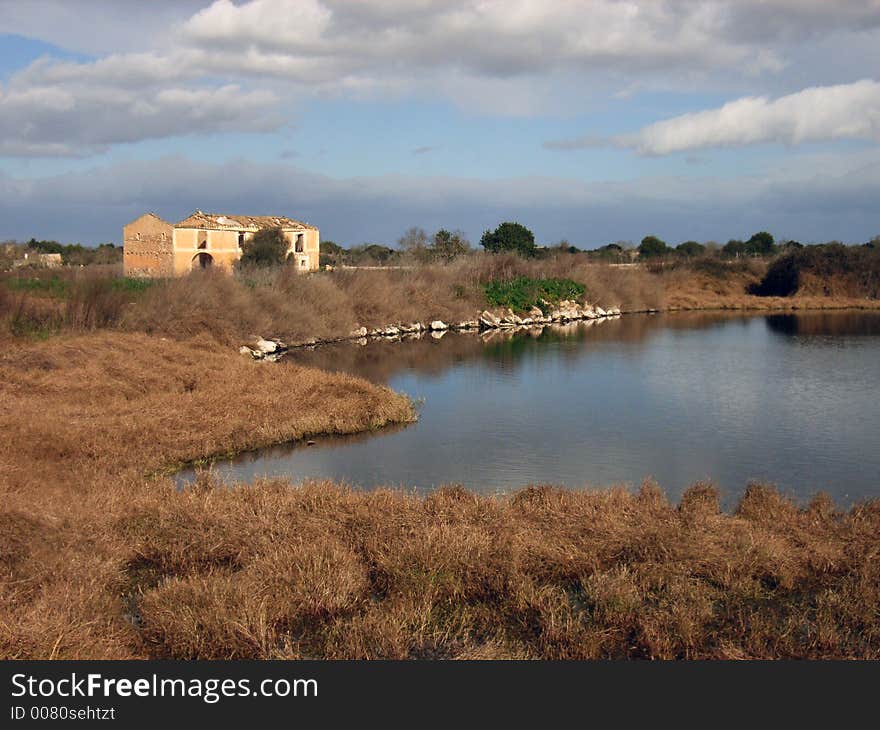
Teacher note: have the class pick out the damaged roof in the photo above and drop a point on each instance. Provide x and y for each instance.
(219, 221)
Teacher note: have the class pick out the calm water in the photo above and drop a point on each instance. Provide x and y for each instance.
(788, 399)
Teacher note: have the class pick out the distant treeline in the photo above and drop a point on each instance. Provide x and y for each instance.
(72, 254)
(416, 246)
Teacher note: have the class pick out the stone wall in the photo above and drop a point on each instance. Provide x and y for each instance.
(148, 247)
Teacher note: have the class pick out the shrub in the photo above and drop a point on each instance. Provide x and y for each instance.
(830, 269)
(523, 293)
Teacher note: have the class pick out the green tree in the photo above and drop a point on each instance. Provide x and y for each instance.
(734, 248)
(652, 247)
(761, 244)
(691, 248)
(267, 247)
(449, 245)
(510, 236)
(332, 254)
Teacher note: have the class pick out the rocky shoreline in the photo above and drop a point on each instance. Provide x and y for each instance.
(487, 321)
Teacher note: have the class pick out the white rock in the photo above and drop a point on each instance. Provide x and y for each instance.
(468, 324)
(359, 332)
(391, 331)
(489, 320)
(601, 312)
(245, 350)
(438, 325)
(266, 346)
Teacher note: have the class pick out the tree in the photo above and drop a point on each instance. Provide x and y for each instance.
(332, 254)
(510, 236)
(734, 248)
(448, 246)
(415, 243)
(652, 247)
(267, 247)
(691, 248)
(761, 244)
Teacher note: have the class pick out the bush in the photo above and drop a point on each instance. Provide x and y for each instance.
(828, 269)
(523, 293)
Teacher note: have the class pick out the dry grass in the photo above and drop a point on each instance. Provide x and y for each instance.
(298, 308)
(281, 303)
(86, 419)
(332, 304)
(271, 571)
(100, 560)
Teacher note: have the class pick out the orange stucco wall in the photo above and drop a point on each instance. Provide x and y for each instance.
(223, 248)
(155, 248)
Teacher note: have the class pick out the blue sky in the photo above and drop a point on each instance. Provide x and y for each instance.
(590, 120)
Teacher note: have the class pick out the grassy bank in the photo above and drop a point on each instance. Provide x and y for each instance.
(297, 308)
(100, 556)
(99, 559)
(87, 419)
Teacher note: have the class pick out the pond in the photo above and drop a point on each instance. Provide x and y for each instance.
(788, 399)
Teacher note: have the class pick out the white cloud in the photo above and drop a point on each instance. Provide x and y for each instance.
(77, 119)
(845, 111)
(506, 57)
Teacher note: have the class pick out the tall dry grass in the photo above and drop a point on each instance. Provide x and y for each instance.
(272, 571)
(98, 559)
(298, 308)
(86, 420)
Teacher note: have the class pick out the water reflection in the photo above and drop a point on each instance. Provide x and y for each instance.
(379, 360)
(826, 324)
(680, 397)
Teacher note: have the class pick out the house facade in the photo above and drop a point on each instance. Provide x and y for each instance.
(153, 247)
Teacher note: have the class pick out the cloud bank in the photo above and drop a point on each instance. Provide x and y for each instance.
(493, 55)
(794, 202)
(845, 111)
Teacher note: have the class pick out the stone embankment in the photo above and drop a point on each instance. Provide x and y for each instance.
(487, 321)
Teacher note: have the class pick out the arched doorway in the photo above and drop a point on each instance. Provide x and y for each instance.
(202, 261)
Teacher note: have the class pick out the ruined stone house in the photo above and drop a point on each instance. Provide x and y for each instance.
(153, 247)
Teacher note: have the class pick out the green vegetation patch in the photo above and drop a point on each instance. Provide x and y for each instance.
(51, 287)
(62, 288)
(133, 286)
(523, 293)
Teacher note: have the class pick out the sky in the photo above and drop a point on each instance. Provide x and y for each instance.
(589, 121)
